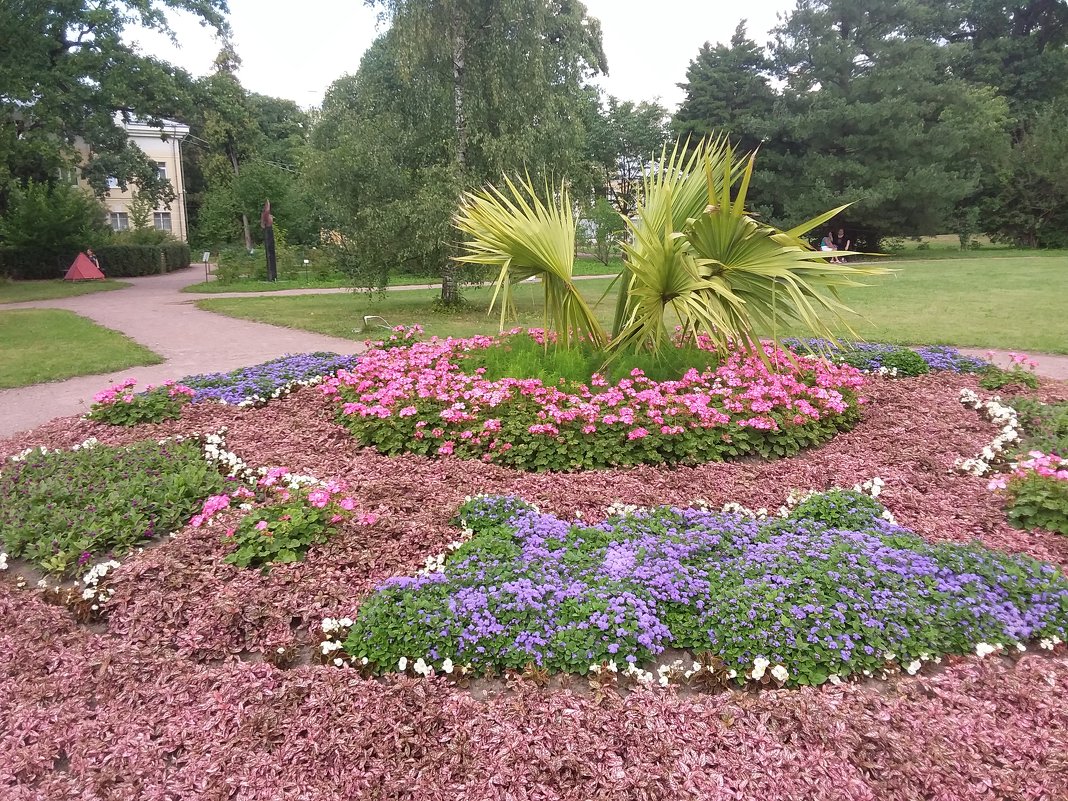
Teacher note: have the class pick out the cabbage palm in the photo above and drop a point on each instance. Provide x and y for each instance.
(525, 237)
(696, 257)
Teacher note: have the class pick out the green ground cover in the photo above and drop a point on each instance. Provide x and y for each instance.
(50, 345)
(19, 291)
(987, 300)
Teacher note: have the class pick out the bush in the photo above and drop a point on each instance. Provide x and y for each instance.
(1045, 425)
(129, 261)
(872, 356)
(116, 260)
(119, 406)
(808, 601)
(63, 508)
(1037, 492)
(236, 265)
(56, 218)
(995, 378)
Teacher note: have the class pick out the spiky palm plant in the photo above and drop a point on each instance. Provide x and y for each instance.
(696, 257)
(526, 237)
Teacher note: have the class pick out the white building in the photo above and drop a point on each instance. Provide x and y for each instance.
(164, 147)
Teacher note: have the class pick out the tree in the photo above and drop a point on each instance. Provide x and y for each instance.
(55, 218)
(728, 88)
(1029, 206)
(380, 160)
(67, 80)
(624, 139)
(514, 71)
(873, 112)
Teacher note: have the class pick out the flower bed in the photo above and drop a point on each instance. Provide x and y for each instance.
(63, 508)
(251, 386)
(893, 360)
(1037, 492)
(419, 399)
(799, 599)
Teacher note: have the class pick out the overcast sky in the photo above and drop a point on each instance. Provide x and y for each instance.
(297, 49)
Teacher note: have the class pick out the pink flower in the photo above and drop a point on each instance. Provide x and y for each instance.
(446, 448)
(637, 433)
(318, 498)
(347, 504)
(367, 519)
(261, 525)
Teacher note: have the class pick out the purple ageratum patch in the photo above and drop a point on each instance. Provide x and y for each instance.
(937, 357)
(532, 588)
(262, 380)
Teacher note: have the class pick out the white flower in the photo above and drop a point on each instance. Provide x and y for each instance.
(402, 665)
(760, 664)
(345, 623)
(421, 668)
(983, 649)
(780, 673)
(339, 662)
(732, 674)
(835, 679)
(913, 667)
(446, 666)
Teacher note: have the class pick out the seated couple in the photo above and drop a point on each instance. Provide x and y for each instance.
(835, 242)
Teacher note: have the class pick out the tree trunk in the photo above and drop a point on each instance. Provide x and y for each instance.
(450, 278)
(244, 217)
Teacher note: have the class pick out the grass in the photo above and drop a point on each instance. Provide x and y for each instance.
(986, 301)
(19, 291)
(50, 345)
(584, 266)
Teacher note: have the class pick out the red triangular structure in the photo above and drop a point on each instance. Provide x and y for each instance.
(83, 269)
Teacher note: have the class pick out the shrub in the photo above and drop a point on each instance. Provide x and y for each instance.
(1045, 425)
(808, 601)
(1037, 492)
(57, 219)
(63, 508)
(130, 261)
(995, 378)
(843, 509)
(422, 399)
(119, 406)
(298, 512)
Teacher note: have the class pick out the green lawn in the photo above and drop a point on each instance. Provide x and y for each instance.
(49, 345)
(584, 266)
(18, 291)
(1012, 302)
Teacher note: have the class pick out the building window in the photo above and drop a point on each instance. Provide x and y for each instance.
(162, 220)
(68, 175)
(161, 170)
(113, 182)
(120, 221)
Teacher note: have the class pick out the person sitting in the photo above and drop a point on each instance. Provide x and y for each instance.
(841, 243)
(827, 244)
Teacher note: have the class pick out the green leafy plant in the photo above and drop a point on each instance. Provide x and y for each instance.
(838, 508)
(904, 361)
(696, 257)
(62, 509)
(298, 515)
(1037, 501)
(1044, 425)
(119, 406)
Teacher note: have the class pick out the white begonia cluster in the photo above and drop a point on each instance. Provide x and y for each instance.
(92, 591)
(1049, 643)
(436, 563)
(279, 392)
(215, 451)
(985, 649)
(737, 509)
(620, 509)
(760, 666)
(1001, 415)
(885, 372)
(3, 561)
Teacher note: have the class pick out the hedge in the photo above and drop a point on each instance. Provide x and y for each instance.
(117, 261)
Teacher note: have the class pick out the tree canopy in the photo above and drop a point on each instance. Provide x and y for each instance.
(69, 78)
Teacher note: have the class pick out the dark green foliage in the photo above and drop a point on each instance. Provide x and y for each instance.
(66, 507)
(994, 377)
(1044, 425)
(845, 509)
(905, 361)
(116, 261)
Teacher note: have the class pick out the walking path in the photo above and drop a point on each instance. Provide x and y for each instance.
(156, 313)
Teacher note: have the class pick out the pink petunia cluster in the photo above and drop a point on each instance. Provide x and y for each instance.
(744, 390)
(1048, 465)
(123, 392)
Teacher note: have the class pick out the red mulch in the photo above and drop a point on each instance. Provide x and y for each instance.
(158, 707)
